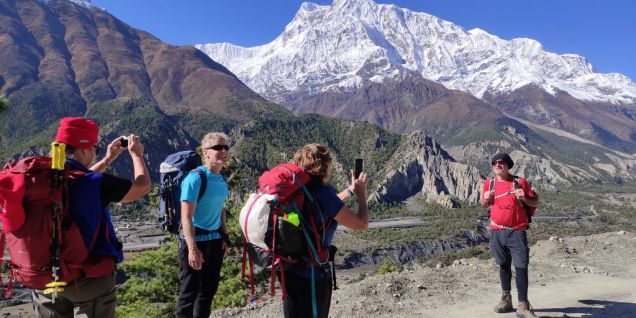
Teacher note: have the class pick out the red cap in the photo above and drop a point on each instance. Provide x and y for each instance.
(11, 194)
(77, 132)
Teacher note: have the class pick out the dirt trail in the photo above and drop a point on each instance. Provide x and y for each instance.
(589, 276)
(593, 276)
(588, 296)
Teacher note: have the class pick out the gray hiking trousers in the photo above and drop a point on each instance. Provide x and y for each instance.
(85, 298)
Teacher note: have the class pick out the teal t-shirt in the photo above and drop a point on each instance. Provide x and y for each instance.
(207, 214)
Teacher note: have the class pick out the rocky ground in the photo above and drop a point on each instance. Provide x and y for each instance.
(587, 276)
(590, 276)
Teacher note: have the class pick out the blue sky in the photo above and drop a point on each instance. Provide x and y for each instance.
(603, 31)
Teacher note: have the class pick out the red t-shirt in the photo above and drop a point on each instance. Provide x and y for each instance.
(506, 210)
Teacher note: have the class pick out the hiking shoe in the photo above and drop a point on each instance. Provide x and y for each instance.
(524, 310)
(505, 304)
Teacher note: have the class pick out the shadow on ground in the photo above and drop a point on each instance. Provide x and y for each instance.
(596, 309)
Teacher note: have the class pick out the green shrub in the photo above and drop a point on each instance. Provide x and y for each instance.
(388, 267)
(152, 287)
(448, 257)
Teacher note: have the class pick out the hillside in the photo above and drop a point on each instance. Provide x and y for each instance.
(70, 58)
(399, 166)
(63, 58)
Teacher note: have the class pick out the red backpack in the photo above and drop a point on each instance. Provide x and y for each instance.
(291, 235)
(44, 243)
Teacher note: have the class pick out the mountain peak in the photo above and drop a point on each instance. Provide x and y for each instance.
(309, 7)
(351, 3)
(82, 3)
(338, 47)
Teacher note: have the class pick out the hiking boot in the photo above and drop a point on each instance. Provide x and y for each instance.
(524, 310)
(505, 304)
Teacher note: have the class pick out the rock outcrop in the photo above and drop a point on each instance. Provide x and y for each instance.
(421, 167)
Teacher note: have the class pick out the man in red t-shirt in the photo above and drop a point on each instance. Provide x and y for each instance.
(508, 223)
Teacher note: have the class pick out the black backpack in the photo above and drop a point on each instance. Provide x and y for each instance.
(173, 170)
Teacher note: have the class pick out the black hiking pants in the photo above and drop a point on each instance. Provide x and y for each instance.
(299, 300)
(510, 247)
(199, 286)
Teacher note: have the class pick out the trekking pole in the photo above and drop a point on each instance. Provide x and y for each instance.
(169, 202)
(57, 174)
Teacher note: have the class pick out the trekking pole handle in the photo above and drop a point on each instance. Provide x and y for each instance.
(58, 155)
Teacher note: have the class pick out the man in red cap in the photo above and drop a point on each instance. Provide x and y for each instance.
(93, 295)
(507, 196)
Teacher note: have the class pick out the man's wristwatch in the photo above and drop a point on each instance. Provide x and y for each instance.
(349, 192)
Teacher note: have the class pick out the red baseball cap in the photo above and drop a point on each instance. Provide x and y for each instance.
(77, 132)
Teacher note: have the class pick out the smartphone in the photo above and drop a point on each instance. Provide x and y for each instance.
(358, 167)
(124, 141)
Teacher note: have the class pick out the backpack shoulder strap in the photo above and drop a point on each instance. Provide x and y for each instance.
(515, 182)
(204, 183)
(224, 176)
(491, 184)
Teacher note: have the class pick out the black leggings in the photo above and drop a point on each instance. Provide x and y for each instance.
(298, 303)
(521, 279)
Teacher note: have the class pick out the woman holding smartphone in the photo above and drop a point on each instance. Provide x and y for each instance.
(315, 159)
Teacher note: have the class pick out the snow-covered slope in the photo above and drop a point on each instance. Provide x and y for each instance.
(82, 3)
(337, 46)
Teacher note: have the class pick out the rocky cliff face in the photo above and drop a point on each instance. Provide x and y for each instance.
(421, 167)
(403, 254)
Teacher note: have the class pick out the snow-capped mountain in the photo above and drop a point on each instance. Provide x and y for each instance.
(338, 47)
(82, 3)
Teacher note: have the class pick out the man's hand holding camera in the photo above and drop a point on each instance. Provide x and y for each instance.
(116, 147)
(135, 147)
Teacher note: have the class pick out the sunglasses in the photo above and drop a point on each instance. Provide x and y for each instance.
(499, 162)
(97, 149)
(219, 147)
